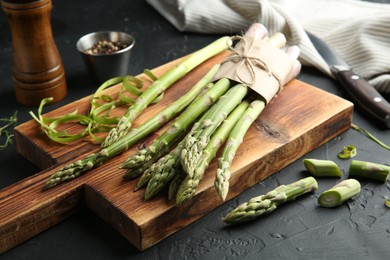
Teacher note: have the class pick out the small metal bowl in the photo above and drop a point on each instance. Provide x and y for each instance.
(105, 66)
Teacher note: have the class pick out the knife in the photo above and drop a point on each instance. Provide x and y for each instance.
(363, 94)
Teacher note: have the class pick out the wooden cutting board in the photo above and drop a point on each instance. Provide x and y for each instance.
(298, 120)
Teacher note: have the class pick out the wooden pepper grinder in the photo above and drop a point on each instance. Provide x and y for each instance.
(37, 69)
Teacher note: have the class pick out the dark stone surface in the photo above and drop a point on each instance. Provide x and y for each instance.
(358, 229)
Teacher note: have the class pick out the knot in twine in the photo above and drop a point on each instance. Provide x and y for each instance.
(243, 57)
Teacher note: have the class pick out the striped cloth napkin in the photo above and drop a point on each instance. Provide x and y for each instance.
(358, 31)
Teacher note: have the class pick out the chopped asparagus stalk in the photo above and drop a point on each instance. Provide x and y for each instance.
(339, 193)
(387, 202)
(369, 170)
(264, 204)
(322, 168)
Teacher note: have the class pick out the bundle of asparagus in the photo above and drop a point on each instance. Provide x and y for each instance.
(215, 113)
(226, 121)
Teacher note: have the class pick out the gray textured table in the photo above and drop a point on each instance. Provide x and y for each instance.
(299, 230)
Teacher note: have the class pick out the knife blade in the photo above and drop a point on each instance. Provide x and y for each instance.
(362, 93)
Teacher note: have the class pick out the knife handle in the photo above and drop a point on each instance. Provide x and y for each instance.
(365, 95)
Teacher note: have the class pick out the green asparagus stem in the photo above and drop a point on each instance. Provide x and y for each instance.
(369, 170)
(74, 169)
(162, 84)
(179, 126)
(267, 203)
(188, 187)
(235, 139)
(194, 144)
(339, 193)
(322, 168)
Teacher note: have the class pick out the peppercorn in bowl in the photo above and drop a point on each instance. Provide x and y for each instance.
(106, 54)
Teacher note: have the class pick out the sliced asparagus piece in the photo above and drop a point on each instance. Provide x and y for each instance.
(267, 203)
(188, 187)
(369, 170)
(235, 139)
(348, 152)
(162, 84)
(339, 193)
(322, 168)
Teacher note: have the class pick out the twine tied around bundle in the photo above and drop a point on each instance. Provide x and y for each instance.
(242, 56)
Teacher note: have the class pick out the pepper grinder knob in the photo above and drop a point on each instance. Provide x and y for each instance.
(37, 69)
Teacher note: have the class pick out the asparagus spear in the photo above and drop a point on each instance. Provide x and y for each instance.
(165, 169)
(162, 172)
(322, 168)
(194, 144)
(188, 187)
(179, 126)
(339, 193)
(235, 139)
(267, 203)
(369, 170)
(74, 169)
(163, 83)
(175, 183)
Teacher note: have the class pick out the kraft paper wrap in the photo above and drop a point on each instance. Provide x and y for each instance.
(259, 65)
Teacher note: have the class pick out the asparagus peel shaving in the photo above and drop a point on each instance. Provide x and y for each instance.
(99, 118)
(74, 169)
(339, 193)
(190, 184)
(369, 135)
(236, 137)
(264, 204)
(162, 84)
